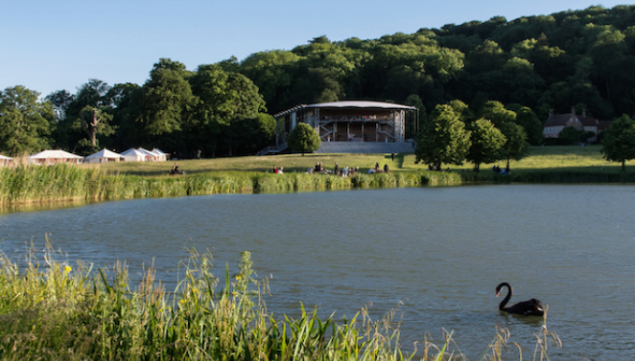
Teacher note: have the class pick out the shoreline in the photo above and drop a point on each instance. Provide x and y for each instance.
(69, 186)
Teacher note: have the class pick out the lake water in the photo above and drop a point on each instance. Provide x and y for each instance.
(436, 254)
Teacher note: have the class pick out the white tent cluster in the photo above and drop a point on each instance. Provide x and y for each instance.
(144, 155)
(103, 156)
(4, 160)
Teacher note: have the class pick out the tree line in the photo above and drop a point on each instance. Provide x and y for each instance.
(531, 65)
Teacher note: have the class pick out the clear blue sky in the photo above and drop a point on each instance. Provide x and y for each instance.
(52, 45)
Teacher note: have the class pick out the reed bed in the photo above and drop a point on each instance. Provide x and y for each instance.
(24, 184)
(50, 310)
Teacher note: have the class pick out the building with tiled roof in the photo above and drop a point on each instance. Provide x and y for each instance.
(557, 122)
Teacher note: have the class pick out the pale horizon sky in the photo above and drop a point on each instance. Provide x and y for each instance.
(55, 45)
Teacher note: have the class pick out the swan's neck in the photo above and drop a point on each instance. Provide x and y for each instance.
(506, 299)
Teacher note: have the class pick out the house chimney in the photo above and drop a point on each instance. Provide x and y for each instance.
(583, 113)
(573, 111)
(550, 112)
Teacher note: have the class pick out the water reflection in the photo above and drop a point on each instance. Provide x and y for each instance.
(43, 206)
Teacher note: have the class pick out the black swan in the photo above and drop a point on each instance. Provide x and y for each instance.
(532, 307)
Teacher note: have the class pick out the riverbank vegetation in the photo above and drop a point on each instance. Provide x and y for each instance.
(52, 310)
(24, 184)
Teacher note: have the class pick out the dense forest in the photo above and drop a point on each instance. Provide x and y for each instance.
(531, 64)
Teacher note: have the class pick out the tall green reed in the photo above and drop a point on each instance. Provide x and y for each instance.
(51, 310)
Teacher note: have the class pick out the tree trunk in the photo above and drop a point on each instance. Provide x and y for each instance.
(623, 166)
(93, 128)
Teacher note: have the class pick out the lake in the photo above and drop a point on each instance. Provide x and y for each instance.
(435, 254)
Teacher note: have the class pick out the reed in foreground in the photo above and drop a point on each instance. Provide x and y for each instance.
(53, 311)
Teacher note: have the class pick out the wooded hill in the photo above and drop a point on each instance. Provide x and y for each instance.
(572, 58)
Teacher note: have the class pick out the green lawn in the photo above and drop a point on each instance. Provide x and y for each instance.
(545, 158)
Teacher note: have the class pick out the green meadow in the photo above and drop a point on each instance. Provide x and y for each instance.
(540, 159)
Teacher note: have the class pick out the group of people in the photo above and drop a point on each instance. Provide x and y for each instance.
(344, 172)
(376, 169)
(496, 169)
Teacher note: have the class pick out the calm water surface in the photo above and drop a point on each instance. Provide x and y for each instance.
(436, 254)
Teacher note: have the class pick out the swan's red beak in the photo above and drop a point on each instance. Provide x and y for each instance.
(497, 293)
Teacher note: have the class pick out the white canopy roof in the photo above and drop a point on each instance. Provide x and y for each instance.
(3, 157)
(133, 152)
(55, 154)
(147, 152)
(104, 153)
(365, 104)
(360, 104)
(159, 151)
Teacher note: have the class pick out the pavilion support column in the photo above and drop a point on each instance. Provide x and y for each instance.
(362, 132)
(376, 132)
(348, 131)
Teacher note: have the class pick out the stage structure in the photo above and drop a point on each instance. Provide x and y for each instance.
(351, 121)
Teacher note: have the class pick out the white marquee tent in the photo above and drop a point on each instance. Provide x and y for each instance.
(150, 156)
(133, 155)
(162, 156)
(55, 156)
(103, 156)
(4, 160)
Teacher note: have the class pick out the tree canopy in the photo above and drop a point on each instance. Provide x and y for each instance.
(303, 138)
(618, 144)
(487, 142)
(443, 139)
(496, 69)
(25, 122)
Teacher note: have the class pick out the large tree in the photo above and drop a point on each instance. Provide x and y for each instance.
(303, 138)
(224, 98)
(88, 115)
(443, 139)
(618, 142)
(516, 147)
(165, 105)
(25, 122)
(528, 119)
(487, 142)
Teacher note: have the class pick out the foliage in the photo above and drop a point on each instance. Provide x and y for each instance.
(303, 138)
(531, 64)
(86, 116)
(570, 135)
(516, 147)
(25, 122)
(618, 144)
(225, 98)
(528, 119)
(166, 103)
(443, 139)
(487, 142)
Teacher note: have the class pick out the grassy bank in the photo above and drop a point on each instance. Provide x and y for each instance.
(51, 310)
(35, 184)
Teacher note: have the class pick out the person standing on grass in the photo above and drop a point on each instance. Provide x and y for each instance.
(392, 156)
